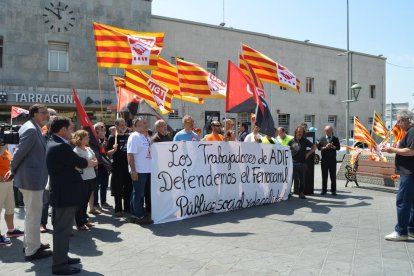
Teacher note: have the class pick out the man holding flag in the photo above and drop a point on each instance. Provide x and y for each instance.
(404, 166)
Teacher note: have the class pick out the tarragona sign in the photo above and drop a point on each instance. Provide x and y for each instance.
(44, 98)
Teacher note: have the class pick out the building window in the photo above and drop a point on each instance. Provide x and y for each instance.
(370, 120)
(120, 72)
(58, 57)
(1, 52)
(372, 91)
(309, 85)
(173, 60)
(351, 119)
(212, 67)
(283, 121)
(309, 119)
(332, 120)
(332, 87)
(174, 114)
(243, 117)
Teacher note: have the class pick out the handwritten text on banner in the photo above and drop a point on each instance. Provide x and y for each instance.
(195, 178)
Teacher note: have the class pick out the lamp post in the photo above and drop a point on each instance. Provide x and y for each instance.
(352, 92)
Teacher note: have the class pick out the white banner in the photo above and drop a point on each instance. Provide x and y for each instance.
(195, 178)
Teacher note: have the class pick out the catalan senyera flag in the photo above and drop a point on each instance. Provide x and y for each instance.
(154, 93)
(123, 48)
(398, 133)
(361, 134)
(378, 126)
(196, 81)
(248, 71)
(269, 70)
(167, 74)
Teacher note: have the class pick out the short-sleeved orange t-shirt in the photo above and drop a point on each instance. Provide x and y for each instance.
(5, 159)
(212, 137)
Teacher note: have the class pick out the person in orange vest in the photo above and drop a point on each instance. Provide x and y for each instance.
(215, 132)
(7, 198)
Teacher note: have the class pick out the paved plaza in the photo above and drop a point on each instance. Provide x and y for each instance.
(322, 235)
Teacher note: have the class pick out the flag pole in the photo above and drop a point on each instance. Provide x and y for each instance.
(100, 90)
(179, 86)
(271, 106)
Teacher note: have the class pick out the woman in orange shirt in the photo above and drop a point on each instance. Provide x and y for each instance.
(7, 198)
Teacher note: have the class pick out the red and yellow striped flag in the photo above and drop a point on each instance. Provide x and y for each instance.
(154, 93)
(398, 133)
(269, 70)
(378, 126)
(248, 71)
(167, 74)
(123, 48)
(361, 134)
(196, 81)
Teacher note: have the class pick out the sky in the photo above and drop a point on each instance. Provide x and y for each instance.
(375, 27)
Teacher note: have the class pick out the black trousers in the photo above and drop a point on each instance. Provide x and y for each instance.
(299, 176)
(81, 217)
(121, 188)
(147, 195)
(328, 165)
(62, 229)
(101, 185)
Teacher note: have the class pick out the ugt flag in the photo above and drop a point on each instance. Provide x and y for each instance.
(123, 48)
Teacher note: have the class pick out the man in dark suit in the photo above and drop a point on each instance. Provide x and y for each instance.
(328, 145)
(64, 168)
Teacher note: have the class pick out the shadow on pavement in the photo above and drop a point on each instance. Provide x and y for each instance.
(317, 204)
(12, 253)
(83, 243)
(315, 226)
(40, 268)
(379, 189)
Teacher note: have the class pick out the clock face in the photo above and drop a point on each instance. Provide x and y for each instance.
(58, 16)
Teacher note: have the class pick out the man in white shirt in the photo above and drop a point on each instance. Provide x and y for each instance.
(140, 167)
(253, 137)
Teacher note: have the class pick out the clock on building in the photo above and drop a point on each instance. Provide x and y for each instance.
(59, 16)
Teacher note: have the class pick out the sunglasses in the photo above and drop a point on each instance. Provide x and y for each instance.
(217, 125)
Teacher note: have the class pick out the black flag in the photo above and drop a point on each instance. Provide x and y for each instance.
(264, 118)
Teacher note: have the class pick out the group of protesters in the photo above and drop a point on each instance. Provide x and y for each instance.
(55, 165)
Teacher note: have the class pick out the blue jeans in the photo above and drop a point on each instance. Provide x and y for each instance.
(45, 207)
(137, 198)
(405, 205)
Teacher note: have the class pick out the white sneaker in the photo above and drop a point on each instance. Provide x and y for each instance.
(394, 236)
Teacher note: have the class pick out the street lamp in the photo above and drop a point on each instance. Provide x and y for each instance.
(355, 89)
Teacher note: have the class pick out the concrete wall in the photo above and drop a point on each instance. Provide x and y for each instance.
(200, 43)
(25, 60)
(26, 37)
